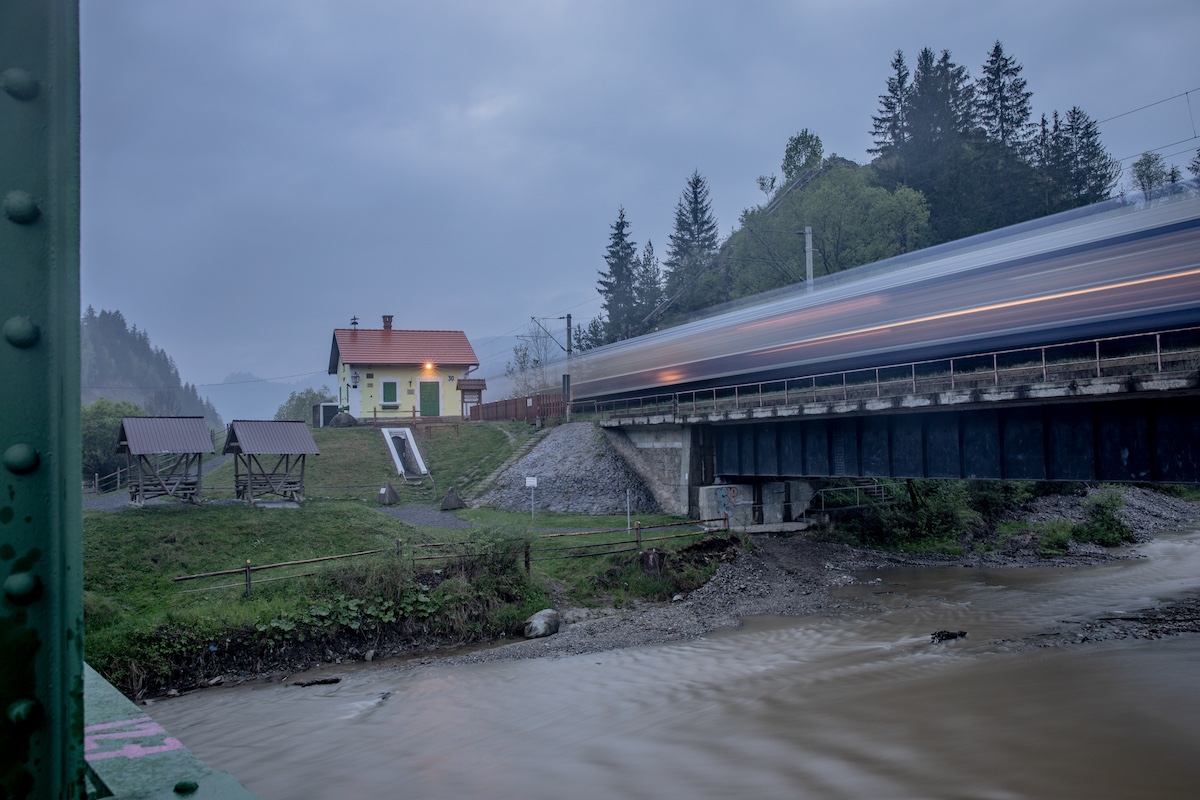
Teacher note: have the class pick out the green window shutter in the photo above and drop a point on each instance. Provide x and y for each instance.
(389, 391)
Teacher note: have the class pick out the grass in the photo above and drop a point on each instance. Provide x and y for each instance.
(146, 632)
(354, 462)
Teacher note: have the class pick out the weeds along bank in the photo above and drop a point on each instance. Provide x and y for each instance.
(147, 633)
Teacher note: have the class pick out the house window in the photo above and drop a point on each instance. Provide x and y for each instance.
(370, 374)
(389, 395)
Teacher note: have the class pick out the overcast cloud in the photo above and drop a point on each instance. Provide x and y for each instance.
(255, 173)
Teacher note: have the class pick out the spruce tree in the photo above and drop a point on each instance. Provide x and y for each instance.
(890, 128)
(616, 284)
(1088, 171)
(1002, 102)
(647, 286)
(691, 249)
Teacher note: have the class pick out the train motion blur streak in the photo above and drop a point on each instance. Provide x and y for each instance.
(1117, 268)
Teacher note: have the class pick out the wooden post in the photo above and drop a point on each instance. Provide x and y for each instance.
(247, 577)
(528, 558)
(399, 548)
(637, 534)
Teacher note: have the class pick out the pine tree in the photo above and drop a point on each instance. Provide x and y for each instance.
(691, 249)
(890, 128)
(1194, 166)
(1088, 172)
(647, 285)
(1002, 102)
(616, 284)
(942, 106)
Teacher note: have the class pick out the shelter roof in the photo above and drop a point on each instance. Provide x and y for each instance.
(270, 437)
(472, 384)
(399, 347)
(152, 435)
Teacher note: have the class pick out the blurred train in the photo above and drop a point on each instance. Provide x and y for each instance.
(1125, 266)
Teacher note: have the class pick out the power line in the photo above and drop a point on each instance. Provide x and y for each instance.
(1150, 105)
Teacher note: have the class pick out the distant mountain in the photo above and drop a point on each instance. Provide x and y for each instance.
(243, 395)
(120, 363)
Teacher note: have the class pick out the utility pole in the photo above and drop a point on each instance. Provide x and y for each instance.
(567, 377)
(808, 276)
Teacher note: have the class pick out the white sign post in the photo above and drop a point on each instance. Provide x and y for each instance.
(532, 484)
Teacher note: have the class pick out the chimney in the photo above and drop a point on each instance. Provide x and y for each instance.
(387, 322)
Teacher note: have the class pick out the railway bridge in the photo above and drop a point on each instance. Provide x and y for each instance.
(1122, 409)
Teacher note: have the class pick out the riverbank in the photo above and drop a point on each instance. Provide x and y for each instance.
(796, 575)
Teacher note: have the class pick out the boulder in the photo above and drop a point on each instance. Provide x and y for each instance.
(342, 420)
(543, 623)
(452, 501)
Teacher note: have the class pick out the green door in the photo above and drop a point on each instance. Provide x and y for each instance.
(430, 400)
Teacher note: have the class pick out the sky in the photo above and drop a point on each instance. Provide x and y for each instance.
(255, 173)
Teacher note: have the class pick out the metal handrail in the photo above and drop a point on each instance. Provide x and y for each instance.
(841, 384)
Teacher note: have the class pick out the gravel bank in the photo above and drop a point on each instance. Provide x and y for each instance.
(577, 473)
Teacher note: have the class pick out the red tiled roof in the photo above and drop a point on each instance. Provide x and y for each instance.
(361, 346)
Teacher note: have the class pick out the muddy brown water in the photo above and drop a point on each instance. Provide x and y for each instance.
(780, 708)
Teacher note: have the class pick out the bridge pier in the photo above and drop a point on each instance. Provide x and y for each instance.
(771, 505)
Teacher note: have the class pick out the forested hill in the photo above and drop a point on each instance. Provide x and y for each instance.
(120, 363)
(953, 156)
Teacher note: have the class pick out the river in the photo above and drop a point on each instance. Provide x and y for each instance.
(781, 708)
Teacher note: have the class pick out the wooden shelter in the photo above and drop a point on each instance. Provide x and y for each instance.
(471, 393)
(253, 442)
(164, 456)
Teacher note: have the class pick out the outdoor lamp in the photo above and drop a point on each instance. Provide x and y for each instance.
(354, 379)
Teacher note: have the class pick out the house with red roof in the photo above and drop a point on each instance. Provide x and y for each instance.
(390, 374)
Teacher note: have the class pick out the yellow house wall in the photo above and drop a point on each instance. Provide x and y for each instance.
(408, 392)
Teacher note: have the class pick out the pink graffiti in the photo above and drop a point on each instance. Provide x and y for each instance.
(137, 728)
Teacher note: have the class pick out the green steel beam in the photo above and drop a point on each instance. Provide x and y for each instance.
(41, 612)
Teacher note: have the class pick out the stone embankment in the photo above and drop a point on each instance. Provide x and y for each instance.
(577, 472)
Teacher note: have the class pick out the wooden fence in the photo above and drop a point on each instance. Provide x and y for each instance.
(522, 409)
(637, 541)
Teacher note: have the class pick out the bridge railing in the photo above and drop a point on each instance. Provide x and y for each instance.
(1160, 353)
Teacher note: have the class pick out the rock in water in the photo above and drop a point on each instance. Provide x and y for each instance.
(452, 501)
(543, 623)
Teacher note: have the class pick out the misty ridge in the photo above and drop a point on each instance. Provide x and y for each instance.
(119, 362)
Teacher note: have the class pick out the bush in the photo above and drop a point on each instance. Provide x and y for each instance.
(1103, 525)
(1054, 538)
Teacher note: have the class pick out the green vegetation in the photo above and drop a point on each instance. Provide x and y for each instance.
(299, 404)
(100, 426)
(956, 517)
(146, 632)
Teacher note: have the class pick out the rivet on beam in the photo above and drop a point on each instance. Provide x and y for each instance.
(21, 459)
(22, 588)
(20, 83)
(22, 332)
(21, 208)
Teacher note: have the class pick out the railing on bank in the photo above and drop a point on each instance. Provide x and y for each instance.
(528, 551)
(1161, 353)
